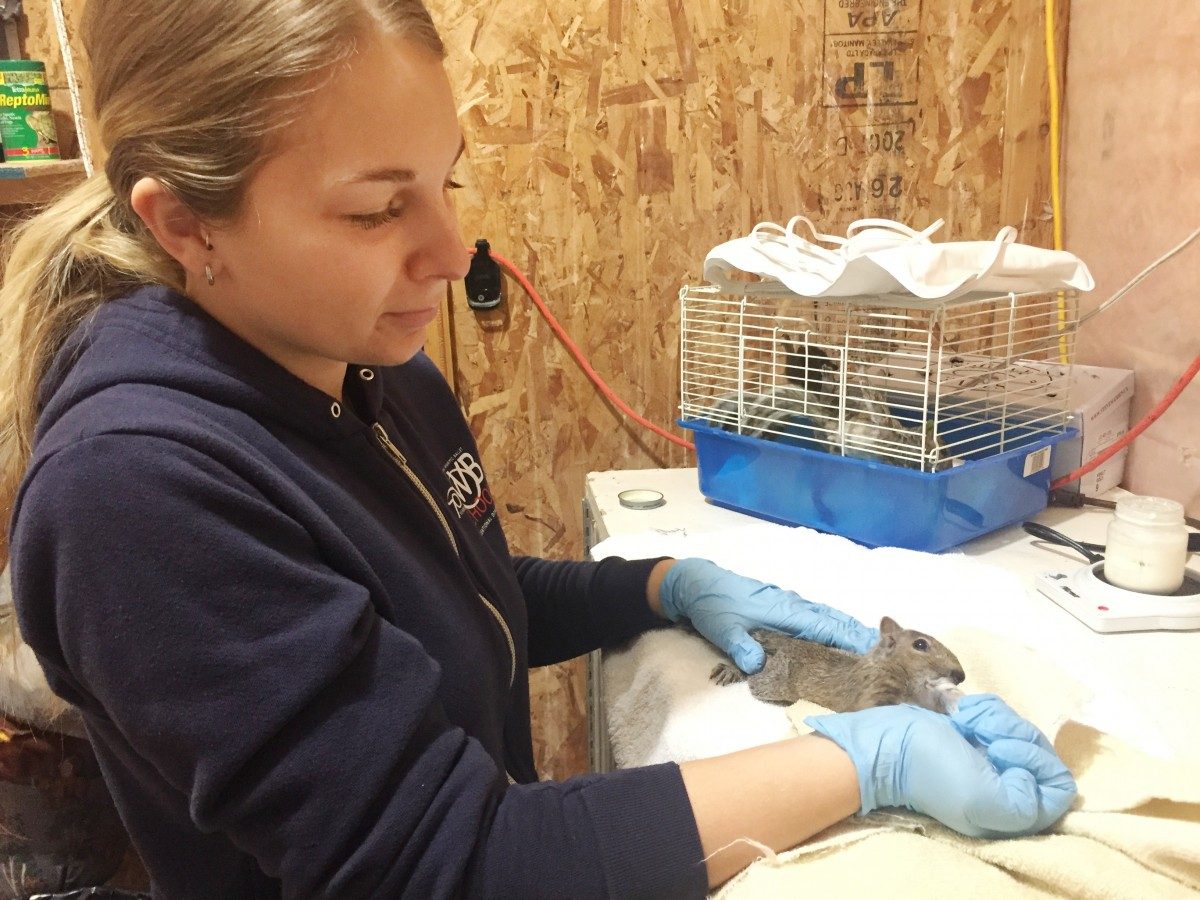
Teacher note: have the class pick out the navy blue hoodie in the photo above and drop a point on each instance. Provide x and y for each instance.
(296, 635)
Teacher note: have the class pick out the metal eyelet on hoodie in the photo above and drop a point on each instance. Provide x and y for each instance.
(335, 409)
(401, 462)
(366, 374)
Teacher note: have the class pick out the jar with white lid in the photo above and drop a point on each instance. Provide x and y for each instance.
(1147, 545)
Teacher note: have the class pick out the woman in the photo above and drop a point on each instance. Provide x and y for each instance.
(303, 671)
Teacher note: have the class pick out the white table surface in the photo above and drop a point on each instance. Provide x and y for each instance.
(1159, 670)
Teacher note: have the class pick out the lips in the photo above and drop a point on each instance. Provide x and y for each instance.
(414, 318)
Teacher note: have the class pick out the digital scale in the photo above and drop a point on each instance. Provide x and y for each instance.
(1104, 607)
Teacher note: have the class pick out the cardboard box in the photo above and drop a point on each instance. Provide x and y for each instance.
(1100, 404)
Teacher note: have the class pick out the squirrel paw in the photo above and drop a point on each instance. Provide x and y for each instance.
(726, 674)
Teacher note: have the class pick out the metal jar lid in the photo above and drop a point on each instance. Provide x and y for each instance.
(641, 498)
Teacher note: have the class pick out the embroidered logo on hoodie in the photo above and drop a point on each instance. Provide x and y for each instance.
(469, 494)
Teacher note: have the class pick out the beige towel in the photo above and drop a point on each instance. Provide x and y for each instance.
(1134, 830)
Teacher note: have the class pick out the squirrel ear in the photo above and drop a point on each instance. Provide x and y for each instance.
(887, 625)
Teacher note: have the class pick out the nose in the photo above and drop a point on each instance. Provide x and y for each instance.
(958, 676)
(441, 255)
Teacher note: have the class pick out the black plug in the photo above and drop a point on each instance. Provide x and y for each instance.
(484, 285)
(1064, 497)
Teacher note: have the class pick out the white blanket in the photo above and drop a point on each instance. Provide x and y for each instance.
(661, 705)
(1135, 828)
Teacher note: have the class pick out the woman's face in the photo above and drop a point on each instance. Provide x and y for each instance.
(348, 236)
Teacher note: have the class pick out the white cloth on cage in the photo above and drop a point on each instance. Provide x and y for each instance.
(880, 256)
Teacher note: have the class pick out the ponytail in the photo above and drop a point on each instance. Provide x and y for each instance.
(59, 267)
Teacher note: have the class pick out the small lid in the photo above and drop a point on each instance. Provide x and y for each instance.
(22, 65)
(1150, 510)
(641, 498)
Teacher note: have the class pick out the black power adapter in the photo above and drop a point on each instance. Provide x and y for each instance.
(485, 287)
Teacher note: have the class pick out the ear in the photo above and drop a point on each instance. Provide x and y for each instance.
(177, 229)
(887, 633)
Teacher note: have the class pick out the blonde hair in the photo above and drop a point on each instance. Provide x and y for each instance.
(188, 92)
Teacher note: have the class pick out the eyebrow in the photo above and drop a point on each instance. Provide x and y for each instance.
(398, 175)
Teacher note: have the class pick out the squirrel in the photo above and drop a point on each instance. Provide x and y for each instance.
(852, 418)
(904, 667)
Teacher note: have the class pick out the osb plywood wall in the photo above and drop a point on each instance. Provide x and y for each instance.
(39, 40)
(1133, 191)
(612, 143)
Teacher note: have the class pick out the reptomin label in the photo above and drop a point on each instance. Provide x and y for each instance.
(26, 123)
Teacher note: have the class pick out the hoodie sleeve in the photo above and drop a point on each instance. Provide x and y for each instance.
(178, 602)
(576, 607)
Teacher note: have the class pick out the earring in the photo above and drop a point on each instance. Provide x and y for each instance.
(208, 272)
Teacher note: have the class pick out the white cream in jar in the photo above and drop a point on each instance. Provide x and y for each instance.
(1147, 545)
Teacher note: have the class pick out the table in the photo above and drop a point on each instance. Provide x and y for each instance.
(1163, 668)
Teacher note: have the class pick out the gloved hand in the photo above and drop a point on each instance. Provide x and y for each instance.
(984, 719)
(1011, 784)
(988, 722)
(723, 606)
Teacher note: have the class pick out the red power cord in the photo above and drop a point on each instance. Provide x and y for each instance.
(1128, 438)
(578, 354)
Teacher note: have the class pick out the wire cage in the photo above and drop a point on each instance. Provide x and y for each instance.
(947, 392)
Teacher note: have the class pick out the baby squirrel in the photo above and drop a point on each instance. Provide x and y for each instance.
(904, 667)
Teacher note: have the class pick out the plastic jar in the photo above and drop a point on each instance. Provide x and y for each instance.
(26, 121)
(1147, 545)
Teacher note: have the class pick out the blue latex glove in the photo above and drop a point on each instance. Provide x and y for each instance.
(723, 606)
(1010, 784)
(985, 719)
(988, 722)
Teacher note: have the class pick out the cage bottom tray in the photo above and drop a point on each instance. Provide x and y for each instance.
(874, 503)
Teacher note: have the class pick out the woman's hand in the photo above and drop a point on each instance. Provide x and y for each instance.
(985, 772)
(723, 606)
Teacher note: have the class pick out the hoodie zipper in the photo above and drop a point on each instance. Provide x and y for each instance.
(402, 463)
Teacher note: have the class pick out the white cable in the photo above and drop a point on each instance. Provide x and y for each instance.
(1138, 278)
(60, 24)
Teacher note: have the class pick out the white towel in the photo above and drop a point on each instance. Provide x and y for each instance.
(661, 705)
(880, 256)
(24, 693)
(1135, 828)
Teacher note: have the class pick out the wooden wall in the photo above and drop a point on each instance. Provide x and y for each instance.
(39, 40)
(612, 143)
(1133, 192)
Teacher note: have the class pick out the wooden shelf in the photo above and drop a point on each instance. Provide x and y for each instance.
(37, 182)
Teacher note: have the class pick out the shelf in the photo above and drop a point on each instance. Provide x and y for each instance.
(37, 182)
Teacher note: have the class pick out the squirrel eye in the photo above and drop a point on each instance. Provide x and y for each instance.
(920, 644)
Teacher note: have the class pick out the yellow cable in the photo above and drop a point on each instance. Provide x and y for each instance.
(1055, 185)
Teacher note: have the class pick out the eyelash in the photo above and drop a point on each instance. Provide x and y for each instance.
(375, 220)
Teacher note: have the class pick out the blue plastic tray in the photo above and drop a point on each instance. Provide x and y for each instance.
(871, 502)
